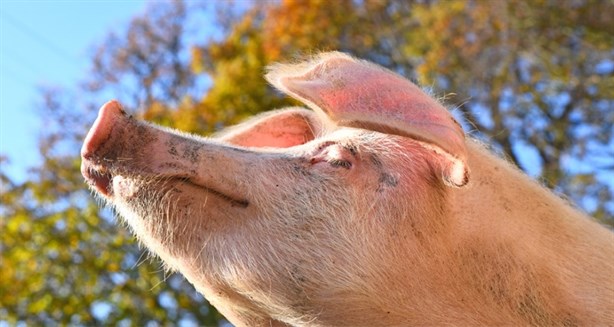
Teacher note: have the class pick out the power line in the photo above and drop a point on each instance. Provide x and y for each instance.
(37, 37)
(32, 67)
(13, 75)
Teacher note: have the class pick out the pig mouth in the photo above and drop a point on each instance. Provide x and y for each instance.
(101, 179)
(242, 203)
(97, 177)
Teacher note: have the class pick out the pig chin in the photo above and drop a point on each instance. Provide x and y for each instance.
(124, 187)
(167, 215)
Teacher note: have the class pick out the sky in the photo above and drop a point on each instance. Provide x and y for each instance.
(46, 43)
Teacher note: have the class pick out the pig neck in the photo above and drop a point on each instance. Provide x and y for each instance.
(526, 250)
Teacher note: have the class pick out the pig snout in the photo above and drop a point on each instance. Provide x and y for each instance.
(95, 173)
(122, 154)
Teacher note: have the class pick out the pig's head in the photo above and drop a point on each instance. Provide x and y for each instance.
(296, 216)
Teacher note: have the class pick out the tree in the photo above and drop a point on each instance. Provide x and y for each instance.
(538, 84)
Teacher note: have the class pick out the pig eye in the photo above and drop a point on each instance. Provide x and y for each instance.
(334, 155)
(340, 163)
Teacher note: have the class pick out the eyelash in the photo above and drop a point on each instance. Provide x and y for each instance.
(341, 163)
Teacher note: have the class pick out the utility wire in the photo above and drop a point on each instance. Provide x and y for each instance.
(14, 76)
(37, 37)
(33, 68)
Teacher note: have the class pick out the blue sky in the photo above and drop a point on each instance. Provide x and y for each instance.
(46, 43)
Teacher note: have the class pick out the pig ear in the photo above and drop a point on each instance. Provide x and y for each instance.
(280, 129)
(359, 94)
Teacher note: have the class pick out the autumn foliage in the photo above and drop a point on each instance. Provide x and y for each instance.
(534, 78)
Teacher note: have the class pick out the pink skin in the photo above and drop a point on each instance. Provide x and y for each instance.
(408, 111)
(360, 213)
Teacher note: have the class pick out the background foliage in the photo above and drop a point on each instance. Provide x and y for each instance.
(533, 77)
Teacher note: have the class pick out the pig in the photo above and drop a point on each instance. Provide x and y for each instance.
(372, 209)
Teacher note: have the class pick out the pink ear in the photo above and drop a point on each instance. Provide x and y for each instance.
(280, 129)
(360, 94)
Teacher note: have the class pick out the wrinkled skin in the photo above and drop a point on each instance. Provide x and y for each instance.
(371, 210)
